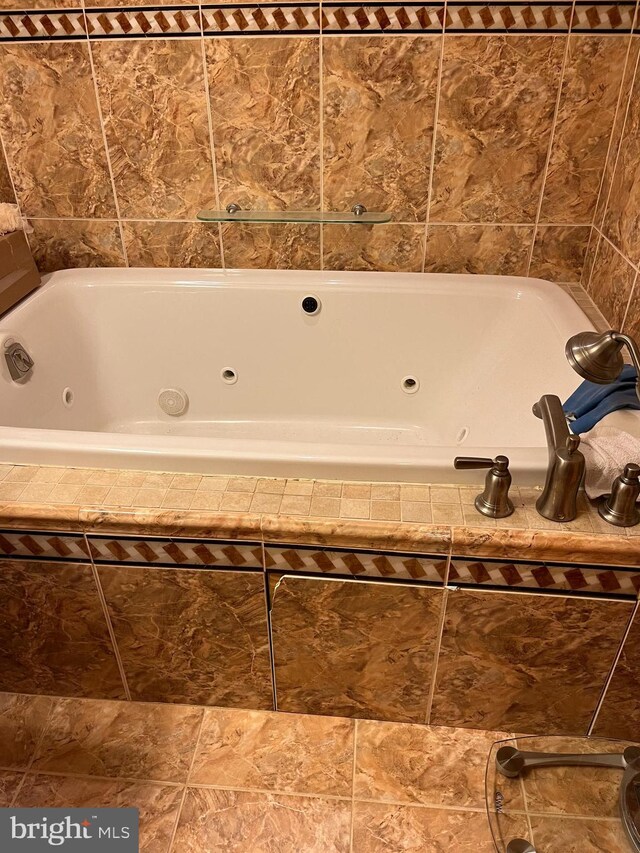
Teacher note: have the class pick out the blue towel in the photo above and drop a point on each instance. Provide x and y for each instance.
(590, 402)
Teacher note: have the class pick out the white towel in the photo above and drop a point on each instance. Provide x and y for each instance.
(608, 447)
(10, 219)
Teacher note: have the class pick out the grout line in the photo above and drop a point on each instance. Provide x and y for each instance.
(212, 147)
(186, 784)
(552, 136)
(268, 606)
(353, 783)
(611, 142)
(434, 135)
(618, 251)
(105, 609)
(35, 752)
(321, 127)
(61, 774)
(609, 679)
(96, 94)
(631, 298)
(436, 652)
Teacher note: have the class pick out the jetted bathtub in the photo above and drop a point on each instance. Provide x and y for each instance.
(390, 378)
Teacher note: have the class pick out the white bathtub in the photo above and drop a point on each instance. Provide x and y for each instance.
(315, 396)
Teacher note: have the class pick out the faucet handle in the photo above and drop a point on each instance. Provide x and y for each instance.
(494, 501)
(461, 463)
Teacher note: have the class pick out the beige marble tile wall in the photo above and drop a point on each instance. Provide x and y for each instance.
(610, 273)
(484, 132)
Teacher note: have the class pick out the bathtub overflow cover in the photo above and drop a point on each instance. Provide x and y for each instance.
(311, 305)
(410, 384)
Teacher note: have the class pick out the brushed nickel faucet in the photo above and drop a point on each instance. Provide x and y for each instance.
(559, 498)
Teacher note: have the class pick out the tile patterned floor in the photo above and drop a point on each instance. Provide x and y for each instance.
(209, 779)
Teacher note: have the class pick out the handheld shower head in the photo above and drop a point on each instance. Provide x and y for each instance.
(597, 356)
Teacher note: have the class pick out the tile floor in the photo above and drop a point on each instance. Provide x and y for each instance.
(211, 779)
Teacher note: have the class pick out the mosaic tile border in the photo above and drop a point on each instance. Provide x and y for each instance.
(195, 553)
(382, 564)
(69, 547)
(244, 19)
(545, 577)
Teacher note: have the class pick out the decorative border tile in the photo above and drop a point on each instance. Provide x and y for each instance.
(159, 22)
(245, 19)
(176, 552)
(544, 576)
(508, 17)
(370, 563)
(383, 18)
(43, 546)
(261, 19)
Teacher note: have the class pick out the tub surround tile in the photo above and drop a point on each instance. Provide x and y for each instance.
(54, 637)
(266, 128)
(479, 249)
(43, 545)
(174, 523)
(119, 739)
(6, 187)
(329, 561)
(631, 325)
(279, 752)
(22, 722)
(379, 104)
(590, 87)
(59, 244)
(611, 283)
(344, 18)
(271, 246)
(559, 252)
(153, 102)
(619, 715)
(171, 244)
(433, 766)
(260, 18)
(378, 827)
(490, 155)
(190, 636)
(158, 805)
(525, 663)
(386, 248)
(51, 130)
(244, 822)
(332, 642)
(6, 5)
(19, 516)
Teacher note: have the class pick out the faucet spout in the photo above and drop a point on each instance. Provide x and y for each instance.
(559, 498)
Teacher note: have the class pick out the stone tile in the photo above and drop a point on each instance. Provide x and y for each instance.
(158, 805)
(53, 634)
(385, 510)
(524, 662)
(418, 511)
(271, 246)
(261, 502)
(243, 822)
(280, 752)
(331, 647)
(578, 836)
(431, 765)
(295, 504)
(9, 783)
(22, 721)
(590, 87)
(490, 154)
(379, 105)
(387, 248)
(119, 739)
(7, 195)
(266, 127)
(59, 244)
(325, 507)
(51, 129)
(385, 492)
(619, 715)
(611, 283)
(191, 636)
(298, 487)
(559, 252)
(171, 244)
(161, 168)
(353, 508)
(378, 828)
(479, 249)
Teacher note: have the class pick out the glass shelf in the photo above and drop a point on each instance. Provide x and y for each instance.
(358, 215)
